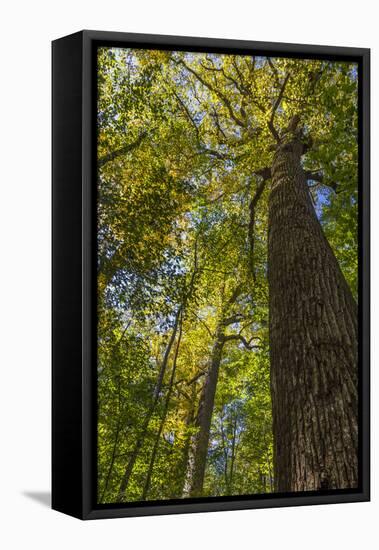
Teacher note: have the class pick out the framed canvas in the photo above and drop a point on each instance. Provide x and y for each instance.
(210, 275)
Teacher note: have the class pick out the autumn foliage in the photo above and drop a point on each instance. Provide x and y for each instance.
(187, 144)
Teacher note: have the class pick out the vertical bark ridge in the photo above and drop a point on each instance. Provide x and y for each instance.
(313, 341)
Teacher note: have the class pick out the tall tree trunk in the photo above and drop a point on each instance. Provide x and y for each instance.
(157, 390)
(313, 341)
(112, 461)
(190, 419)
(118, 426)
(233, 456)
(154, 453)
(193, 485)
(159, 384)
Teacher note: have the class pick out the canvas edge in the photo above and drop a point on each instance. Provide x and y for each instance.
(88, 510)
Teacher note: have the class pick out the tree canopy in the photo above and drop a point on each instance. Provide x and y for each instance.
(185, 142)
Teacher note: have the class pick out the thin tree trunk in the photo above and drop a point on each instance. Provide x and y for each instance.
(189, 422)
(225, 452)
(146, 487)
(233, 457)
(193, 485)
(269, 466)
(313, 341)
(111, 464)
(158, 387)
(118, 429)
(157, 390)
(197, 456)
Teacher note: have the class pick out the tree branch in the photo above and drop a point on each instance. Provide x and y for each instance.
(265, 173)
(233, 319)
(246, 343)
(319, 178)
(121, 151)
(274, 71)
(275, 108)
(195, 378)
(223, 98)
(187, 112)
(204, 324)
(240, 88)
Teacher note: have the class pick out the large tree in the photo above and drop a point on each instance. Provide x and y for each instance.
(285, 108)
(313, 339)
(227, 216)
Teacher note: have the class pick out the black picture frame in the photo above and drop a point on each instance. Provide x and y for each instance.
(74, 274)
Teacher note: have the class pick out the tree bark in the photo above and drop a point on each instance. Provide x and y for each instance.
(159, 384)
(112, 462)
(156, 395)
(153, 457)
(190, 419)
(193, 486)
(313, 341)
